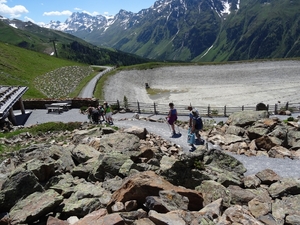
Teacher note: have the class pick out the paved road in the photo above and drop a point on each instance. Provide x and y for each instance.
(88, 91)
(283, 167)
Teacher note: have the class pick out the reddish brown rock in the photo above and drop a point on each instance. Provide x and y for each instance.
(141, 185)
(101, 217)
(268, 176)
(54, 221)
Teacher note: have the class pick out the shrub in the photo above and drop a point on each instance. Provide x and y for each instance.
(114, 106)
(55, 126)
(214, 112)
(199, 165)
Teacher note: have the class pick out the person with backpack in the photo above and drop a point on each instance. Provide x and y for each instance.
(172, 117)
(108, 113)
(190, 108)
(101, 113)
(197, 124)
(95, 115)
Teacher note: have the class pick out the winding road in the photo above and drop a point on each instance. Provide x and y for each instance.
(88, 90)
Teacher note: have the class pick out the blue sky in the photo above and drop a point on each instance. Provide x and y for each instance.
(43, 11)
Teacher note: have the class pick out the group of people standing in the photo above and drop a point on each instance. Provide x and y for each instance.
(100, 114)
(195, 121)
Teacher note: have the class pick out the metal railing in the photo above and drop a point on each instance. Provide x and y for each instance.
(158, 108)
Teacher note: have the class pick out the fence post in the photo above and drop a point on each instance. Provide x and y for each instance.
(287, 106)
(268, 108)
(242, 108)
(225, 110)
(155, 112)
(118, 104)
(139, 109)
(208, 110)
(276, 109)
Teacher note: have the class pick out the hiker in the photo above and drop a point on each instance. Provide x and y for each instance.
(197, 124)
(108, 113)
(95, 115)
(172, 117)
(89, 111)
(101, 113)
(190, 108)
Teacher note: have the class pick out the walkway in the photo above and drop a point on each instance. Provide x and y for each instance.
(283, 167)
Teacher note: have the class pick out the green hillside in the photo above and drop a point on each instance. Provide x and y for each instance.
(21, 67)
(32, 37)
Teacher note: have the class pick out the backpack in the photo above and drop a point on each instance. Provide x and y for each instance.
(199, 123)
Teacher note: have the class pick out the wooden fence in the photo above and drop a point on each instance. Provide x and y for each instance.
(156, 108)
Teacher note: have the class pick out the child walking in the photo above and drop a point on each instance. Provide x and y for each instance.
(172, 117)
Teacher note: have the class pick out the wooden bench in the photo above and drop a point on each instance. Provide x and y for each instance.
(54, 108)
(66, 105)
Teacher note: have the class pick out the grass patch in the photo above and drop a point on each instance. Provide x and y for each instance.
(20, 67)
(54, 126)
(43, 128)
(98, 92)
(154, 91)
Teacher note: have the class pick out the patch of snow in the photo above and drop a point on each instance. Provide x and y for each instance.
(226, 9)
(13, 25)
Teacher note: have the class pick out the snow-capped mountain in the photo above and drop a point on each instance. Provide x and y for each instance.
(167, 21)
(84, 22)
(79, 22)
(196, 30)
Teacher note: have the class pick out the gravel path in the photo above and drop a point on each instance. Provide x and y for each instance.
(283, 167)
(234, 84)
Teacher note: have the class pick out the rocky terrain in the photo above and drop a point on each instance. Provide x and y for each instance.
(100, 175)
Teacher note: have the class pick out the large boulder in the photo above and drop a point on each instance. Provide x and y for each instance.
(238, 215)
(284, 186)
(212, 191)
(139, 186)
(18, 185)
(281, 207)
(246, 118)
(82, 153)
(191, 170)
(138, 131)
(44, 202)
(108, 165)
(119, 142)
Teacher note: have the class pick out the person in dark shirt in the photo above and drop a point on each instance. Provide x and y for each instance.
(172, 117)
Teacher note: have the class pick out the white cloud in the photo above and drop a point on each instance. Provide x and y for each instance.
(92, 14)
(12, 12)
(57, 13)
(26, 18)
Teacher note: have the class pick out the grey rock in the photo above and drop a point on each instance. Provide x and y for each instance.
(26, 212)
(18, 185)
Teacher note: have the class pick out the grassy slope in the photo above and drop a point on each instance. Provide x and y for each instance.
(20, 67)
